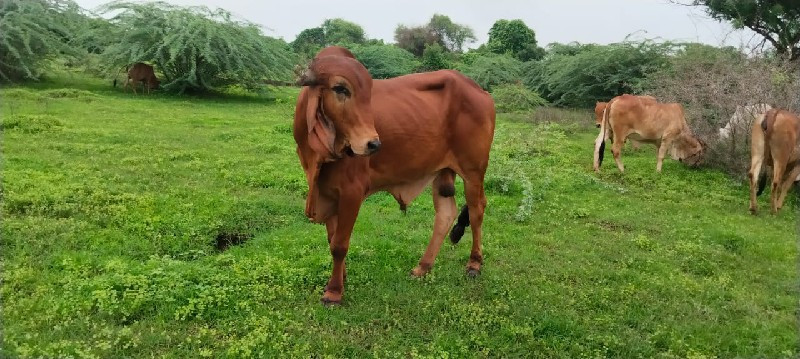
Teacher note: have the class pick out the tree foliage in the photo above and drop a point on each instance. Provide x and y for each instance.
(490, 70)
(385, 61)
(435, 58)
(33, 31)
(577, 75)
(778, 21)
(331, 32)
(515, 38)
(342, 32)
(516, 98)
(196, 48)
(439, 30)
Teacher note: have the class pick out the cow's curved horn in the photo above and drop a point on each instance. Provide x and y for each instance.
(307, 78)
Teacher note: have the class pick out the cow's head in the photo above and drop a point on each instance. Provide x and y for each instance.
(690, 150)
(339, 109)
(599, 108)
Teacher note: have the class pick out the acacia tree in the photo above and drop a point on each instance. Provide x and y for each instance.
(777, 21)
(194, 47)
(32, 31)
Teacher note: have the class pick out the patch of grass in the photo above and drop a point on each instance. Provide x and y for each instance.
(173, 227)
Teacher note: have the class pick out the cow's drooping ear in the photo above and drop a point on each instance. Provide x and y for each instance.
(321, 132)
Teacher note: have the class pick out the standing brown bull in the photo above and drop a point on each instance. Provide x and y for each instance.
(356, 136)
(600, 109)
(776, 141)
(143, 73)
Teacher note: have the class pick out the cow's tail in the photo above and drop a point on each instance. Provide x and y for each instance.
(600, 142)
(461, 224)
(117, 75)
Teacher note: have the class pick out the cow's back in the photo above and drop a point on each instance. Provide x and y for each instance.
(426, 121)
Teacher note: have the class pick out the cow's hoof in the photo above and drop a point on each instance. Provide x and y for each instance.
(331, 298)
(420, 271)
(473, 272)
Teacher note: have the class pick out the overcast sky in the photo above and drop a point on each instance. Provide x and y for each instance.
(585, 21)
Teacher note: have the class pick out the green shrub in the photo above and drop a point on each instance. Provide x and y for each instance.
(515, 98)
(490, 70)
(577, 75)
(385, 61)
(29, 123)
(196, 48)
(434, 58)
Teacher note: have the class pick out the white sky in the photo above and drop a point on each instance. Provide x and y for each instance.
(585, 21)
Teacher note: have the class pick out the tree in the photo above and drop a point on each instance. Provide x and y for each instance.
(777, 21)
(450, 35)
(32, 31)
(515, 38)
(439, 30)
(309, 42)
(342, 32)
(194, 47)
(490, 70)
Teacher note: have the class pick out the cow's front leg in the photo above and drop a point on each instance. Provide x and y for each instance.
(662, 152)
(349, 204)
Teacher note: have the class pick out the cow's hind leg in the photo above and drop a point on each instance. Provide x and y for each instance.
(445, 205)
(788, 181)
(778, 170)
(616, 150)
(476, 204)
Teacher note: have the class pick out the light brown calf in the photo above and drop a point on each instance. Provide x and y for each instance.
(600, 108)
(662, 124)
(775, 141)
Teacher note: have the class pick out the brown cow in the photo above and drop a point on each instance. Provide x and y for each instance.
(662, 124)
(776, 141)
(143, 73)
(600, 107)
(432, 126)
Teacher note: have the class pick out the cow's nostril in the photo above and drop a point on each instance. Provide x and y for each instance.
(374, 145)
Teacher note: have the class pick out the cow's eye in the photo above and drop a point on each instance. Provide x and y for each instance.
(341, 90)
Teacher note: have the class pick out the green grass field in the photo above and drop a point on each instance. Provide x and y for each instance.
(157, 226)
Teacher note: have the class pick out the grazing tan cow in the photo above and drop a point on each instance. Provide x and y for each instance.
(143, 73)
(600, 107)
(662, 124)
(775, 141)
(357, 136)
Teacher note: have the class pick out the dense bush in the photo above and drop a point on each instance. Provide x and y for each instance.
(711, 83)
(196, 48)
(515, 98)
(490, 70)
(515, 38)
(385, 61)
(435, 58)
(578, 75)
(33, 31)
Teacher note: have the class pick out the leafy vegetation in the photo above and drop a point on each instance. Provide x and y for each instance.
(578, 75)
(777, 21)
(124, 237)
(515, 98)
(195, 48)
(515, 38)
(490, 70)
(440, 30)
(385, 61)
(32, 32)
